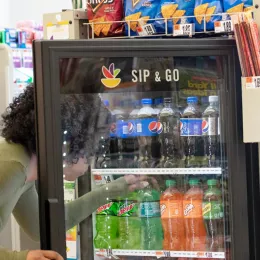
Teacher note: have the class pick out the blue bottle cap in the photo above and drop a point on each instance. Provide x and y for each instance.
(158, 101)
(192, 100)
(147, 101)
(137, 103)
(106, 103)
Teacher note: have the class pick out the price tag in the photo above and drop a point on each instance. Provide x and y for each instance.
(146, 30)
(253, 82)
(102, 179)
(183, 29)
(223, 26)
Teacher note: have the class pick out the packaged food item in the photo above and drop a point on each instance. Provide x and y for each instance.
(174, 11)
(138, 15)
(236, 6)
(105, 16)
(206, 9)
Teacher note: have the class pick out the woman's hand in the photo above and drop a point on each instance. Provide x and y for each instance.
(43, 255)
(138, 182)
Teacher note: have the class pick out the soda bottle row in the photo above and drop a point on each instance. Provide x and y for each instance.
(172, 220)
(162, 136)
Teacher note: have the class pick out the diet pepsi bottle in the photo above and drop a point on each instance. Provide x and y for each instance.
(147, 134)
(158, 105)
(210, 132)
(169, 130)
(191, 133)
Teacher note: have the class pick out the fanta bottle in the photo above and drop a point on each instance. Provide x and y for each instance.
(171, 204)
(193, 218)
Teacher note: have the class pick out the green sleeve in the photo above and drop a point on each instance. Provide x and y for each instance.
(81, 208)
(12, 255)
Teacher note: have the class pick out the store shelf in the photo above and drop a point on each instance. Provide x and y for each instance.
(157, 171)
(159, 254)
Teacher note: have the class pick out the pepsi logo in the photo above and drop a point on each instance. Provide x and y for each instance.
(153, 127)
(159, 127)
(181, 125)
(205, 126)
(113, 128)
(130, 127)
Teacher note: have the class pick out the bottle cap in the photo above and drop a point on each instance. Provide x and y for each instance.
(158, 101)
(192, 100)
(168, 100)
(170, 183)
(193, 182)
(147, 101)
(204, 100)
(106, 103)
(213, 98)
(137, 103)
(212, 182)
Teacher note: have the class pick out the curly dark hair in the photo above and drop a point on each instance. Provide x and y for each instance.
(83, 121)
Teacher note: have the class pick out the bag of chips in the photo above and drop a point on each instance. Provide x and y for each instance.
(105, 16)
(237, 6)
(137, 16)
(175, 11)
(206, 9)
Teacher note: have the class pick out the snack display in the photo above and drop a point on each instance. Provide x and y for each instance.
(106, 16)
(237, 6)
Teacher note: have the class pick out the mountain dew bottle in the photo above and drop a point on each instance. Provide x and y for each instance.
(107, 226)
(150, 215)
(129, 222)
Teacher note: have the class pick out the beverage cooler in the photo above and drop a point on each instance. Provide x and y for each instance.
(165, 163)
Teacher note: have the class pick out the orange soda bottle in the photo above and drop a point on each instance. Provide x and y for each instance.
(193, 218)
(171, 204)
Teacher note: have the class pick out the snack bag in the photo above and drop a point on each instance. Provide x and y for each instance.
(138, 14)
(237, 6)
(207, 8)
(174, 11)
(104, 13)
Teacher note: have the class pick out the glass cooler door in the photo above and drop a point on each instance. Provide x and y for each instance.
(150, 141)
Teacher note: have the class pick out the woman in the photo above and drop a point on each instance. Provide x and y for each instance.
(81, 116)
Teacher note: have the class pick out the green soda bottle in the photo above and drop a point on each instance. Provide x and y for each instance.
(150, 215)
(107, 226)
(129, 222)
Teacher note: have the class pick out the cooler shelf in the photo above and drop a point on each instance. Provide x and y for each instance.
(158, 254)
(157, 171)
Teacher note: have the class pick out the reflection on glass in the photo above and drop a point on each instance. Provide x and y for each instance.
(151, 132)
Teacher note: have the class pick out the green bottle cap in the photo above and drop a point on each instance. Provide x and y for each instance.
(212, 182)
(170, 183)
(193, 182)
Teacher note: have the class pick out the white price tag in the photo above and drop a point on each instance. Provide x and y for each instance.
(146, 30)
(183, 29)
(223, 26)
(102, 179)
(253, 82)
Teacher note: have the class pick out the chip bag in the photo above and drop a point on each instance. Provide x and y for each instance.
(138, 14)
(175, 11)
(103, 14)
(207, 8)
(237, 6)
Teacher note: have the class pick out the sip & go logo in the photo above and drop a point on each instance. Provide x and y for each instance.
(110, 80)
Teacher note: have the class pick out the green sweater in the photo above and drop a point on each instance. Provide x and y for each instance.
(21, 198)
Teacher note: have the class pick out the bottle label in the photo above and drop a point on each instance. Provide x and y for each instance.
(171, 209)
(126, 128)
(150, 209)
(213, 210)
(192, 208)
(146, 127)
(209, 126)
(110, 208)
(127, 209)
(191, 126)
(113, 130)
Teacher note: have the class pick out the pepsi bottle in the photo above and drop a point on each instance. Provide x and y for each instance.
(210, 132)
(158, 105)
(169, 129)
(191, 133)
(147, 134)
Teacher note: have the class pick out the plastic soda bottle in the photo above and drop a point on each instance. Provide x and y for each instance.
(107, 226)
(129, 222)
(210, 132)
(191, 133)
(193, 218)
(171, 204)
(169, 126)
(213, 217)
(147, 133)
(151, 226)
